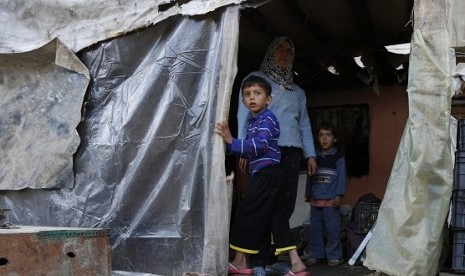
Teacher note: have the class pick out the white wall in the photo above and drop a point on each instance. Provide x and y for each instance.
(302, 208)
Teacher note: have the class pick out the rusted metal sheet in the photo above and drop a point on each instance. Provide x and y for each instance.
(31, 250)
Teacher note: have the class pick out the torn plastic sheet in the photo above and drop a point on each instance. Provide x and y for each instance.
(41, 98)
(28, 25)
(456, 22)
(149, 167)
(414, 210)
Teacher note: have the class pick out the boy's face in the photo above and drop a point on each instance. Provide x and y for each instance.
(326, 139)
(255, 98)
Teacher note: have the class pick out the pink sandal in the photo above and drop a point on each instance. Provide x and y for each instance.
(302, 273)
(243, 271)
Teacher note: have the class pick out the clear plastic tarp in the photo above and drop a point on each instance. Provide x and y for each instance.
(149, 166)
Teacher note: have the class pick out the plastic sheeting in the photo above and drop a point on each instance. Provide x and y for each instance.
(28, 25)
(455, 22)
(149, 166)
(414, 210)
(41, 98)
(138, 122)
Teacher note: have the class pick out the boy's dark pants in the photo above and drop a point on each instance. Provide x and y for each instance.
(254, 214)
(290, 166)
(324, 236)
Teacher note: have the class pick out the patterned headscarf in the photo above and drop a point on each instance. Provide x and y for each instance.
(280, 75)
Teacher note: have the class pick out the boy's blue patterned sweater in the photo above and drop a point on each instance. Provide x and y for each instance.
(330, 179)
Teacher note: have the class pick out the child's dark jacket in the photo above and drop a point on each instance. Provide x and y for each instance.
(330, 179)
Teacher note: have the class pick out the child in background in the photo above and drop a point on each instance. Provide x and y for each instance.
(257, 213)
(324, 191)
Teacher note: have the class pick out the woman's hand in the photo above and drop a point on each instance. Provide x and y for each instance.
(337, 202)
(312, 167)
(243, 165)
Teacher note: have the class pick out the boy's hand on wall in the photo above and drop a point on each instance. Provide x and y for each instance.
(222, 129)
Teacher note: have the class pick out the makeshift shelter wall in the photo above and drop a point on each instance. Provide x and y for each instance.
(30, 25)
(455, 22)
(413, 213)
(149, 166)
(41, 98)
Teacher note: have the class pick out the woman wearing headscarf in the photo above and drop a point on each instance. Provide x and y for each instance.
(289, 104)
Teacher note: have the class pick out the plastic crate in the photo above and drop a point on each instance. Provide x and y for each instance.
(460, 145)
(458, 209)
(365, 216)
(459, 170)
(458, 251)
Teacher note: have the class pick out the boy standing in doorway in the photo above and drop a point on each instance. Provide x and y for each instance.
(324, 191)
(257, 212)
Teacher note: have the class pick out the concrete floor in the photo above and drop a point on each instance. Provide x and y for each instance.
(322, 269)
